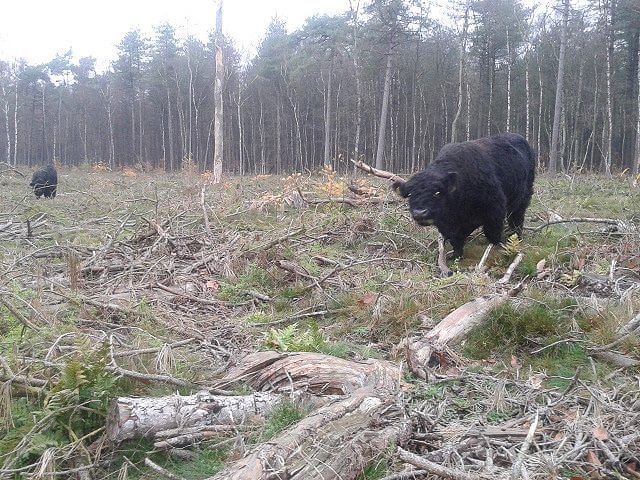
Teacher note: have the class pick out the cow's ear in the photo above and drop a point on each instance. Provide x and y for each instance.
(450, 181)
(401, 189)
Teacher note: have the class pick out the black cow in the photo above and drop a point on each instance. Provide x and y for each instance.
(45, 182)
(473, 184)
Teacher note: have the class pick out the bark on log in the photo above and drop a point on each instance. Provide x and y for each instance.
(313, 373)
(131, 417)
(424, 352)
(337, 441)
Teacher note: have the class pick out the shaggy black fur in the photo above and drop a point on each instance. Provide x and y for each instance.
(45, 182)
(473, 184)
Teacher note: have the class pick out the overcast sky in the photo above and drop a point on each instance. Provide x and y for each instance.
(39, 29)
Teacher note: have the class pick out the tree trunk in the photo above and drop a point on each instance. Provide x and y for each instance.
(5, 98)
(327, 118)
(219, 132)
(609, 153)
(555, 156)
(133, 417)
(509, 64)
(356, 68)
(382, 128)
(540, 98)
(636, 162)
(15, 125)
(528, 100)
(463, 53)
(337, 441)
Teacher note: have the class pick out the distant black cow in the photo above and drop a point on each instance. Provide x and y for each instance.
(45, 182)
(473, 184)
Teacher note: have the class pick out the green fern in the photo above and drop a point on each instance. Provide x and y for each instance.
(512, 246)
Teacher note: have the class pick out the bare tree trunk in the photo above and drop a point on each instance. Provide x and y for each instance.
(509, 63)
(327, 118)
(107, 97)
(463, 53)
(219, 132)
(555, 156)
(609, 24)
(528, 102)
(170, 130)
(595, 115)
(278, 138)
(15, 124)
(5, 108)
(356, 67)
(240, 132)
(492, 78)
(540, 98)
(636, 162)
(468, 132)
(576, 138)
(383, 112)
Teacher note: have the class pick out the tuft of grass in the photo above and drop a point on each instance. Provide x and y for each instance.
(508, 329)
(207, 462)
(282, 417)
(560, 363)
(375, 470)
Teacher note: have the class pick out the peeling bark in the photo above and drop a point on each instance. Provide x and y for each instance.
(337, 441)
(313, 373)
(131, 417)
(425, 352)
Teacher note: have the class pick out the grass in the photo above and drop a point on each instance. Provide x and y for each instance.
(370, 306)
(509, 329)
(283, 416)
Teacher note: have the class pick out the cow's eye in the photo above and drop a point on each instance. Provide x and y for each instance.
(437, 194)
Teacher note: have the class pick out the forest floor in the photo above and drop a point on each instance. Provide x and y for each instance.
(146, 284)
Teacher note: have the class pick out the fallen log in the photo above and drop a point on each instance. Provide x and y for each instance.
(131, 417)
(426, 351)
(313, 373)
(339, 440)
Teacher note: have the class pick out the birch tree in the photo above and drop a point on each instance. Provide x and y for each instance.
(219, 104)
(555, 156)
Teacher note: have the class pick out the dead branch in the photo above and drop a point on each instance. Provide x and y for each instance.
(312, 372)
(423, 352)
(516, 471)
(273, 243)
(337, 441)
(481, 267)
(162, 471)
(442, 258)
(507, 275)
(435, 469)
(606, 221)
(131, 417)
(378, 173)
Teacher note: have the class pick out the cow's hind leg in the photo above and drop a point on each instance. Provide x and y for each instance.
(493, 231)
(516, 221)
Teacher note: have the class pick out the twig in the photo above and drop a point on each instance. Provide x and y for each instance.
(434, 468)
(485, 256)
(507, 275)
(149, 377)
(162, 471)
(278, 240)
(442, 258)
(378, 173)
(607, 221)
(207, 225)
(516, 471)
(409, 475)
